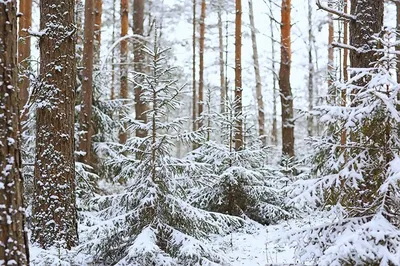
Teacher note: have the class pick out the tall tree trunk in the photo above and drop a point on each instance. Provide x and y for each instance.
(369, 21)
(284, 82)
(345, 63)
(201, 63)
(274, 132)
(398, 38)
(238, 77)
(260, 101)
(330, 51)
(112, 96)
(54, 209)
(13, 240)
(311, 71)
(123, 66)
(24, 49)
(97, 30)
(140, 106)
(85, 141)
(221, 57)
(194, 92)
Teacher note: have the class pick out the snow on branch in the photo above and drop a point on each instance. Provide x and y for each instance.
(335, 11)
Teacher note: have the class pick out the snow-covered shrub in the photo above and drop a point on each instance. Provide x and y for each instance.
(238, 182)
(358, 181)
(149, 223)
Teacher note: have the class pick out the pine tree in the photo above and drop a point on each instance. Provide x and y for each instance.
(123, 60)
(238, 76)
(13, 238)
(149, 223)
(201, 63)
(54, 208)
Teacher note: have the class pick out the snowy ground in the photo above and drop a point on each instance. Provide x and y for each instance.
(252, 247)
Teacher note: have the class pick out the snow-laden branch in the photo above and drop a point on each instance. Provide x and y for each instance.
(335, 11)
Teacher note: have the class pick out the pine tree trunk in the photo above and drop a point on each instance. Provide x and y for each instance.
(345, 64)
(221, 57)
(238, 76)
(97, 30)
(24, 49)
(201, 62)
(274, 132)
(85, 141)
(124, 56)
(260, 101)
(194, 91)
(13, 239)
(369, 21)
(54, 210)
(284, 82)
(112, 94)
(140, 107)
(398, 37)
(311, 72)
(330, 51)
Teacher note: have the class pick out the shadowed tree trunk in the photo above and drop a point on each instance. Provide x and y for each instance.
(311, 71)
(97, 29)
(345, 64)
(260, 101)
(284, 82)
(85, 141)
(221, 57)
(13, 239)
(194, 94)
(123, 61)
(54, 209)
(238, 76)
(201, 63)
(140, 107)
(24, 49)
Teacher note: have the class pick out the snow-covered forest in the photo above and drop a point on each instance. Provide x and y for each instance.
(199, 132)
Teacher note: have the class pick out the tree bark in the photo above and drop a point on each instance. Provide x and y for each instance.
(330, 51)
(112, 96)
(260, 101)
(24, 49)
(284, 82)
(311, 72)
(97, 30)
(140, 106)
(221, 57)
(13, 239)
(274, 132)
(201, 62)
(194, 91)
(369, 21)
(85, 142)
(238, 77)
(54, 208)
(123, 66)
(345, 64)
(398, 38)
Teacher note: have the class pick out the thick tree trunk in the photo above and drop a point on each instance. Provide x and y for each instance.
(85, 141)
(284, 82)
(221, 58)
(238, 77)
(97, 30)
(13, 240)
(140, 107)
(54, 209)
(24, 49)
(274, 132)
(311, 72)
(201, 62)
(123, 61)
(260, 101)
(369, 21)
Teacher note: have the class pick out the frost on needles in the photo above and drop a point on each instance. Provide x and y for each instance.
(360, 184)
(150, 223)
